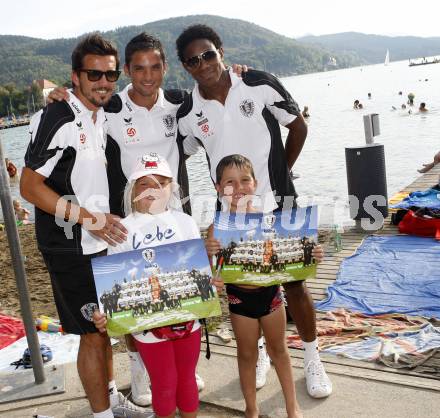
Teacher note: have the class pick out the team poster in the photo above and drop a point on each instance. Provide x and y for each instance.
(266, 249)
(154, 287)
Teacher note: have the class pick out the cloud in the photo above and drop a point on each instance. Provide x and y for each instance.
(101, 266)
(132, 272)
(184, 256)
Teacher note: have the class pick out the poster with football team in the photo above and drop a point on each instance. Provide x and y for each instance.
(266, 249)
(154, 287)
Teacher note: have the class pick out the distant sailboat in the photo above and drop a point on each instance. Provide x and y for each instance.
(387, 58)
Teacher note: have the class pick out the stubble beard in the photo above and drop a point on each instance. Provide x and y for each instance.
(89, 96)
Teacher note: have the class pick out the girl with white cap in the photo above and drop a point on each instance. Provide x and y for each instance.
(151, 220)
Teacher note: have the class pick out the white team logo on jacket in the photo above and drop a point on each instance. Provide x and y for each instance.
(247, 108)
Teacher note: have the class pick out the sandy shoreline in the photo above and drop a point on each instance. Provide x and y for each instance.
(40, 289)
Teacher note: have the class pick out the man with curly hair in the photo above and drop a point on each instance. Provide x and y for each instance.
(225, 115)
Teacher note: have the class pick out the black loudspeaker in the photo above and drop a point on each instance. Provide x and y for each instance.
(366, 179)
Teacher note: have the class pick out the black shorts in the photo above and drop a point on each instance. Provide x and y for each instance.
(74, 290)
(254, 303)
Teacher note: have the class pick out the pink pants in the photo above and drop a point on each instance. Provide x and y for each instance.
(171, 366)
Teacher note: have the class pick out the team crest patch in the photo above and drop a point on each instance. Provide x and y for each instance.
(148, 255)
(247, 108)
(88, 309)
(268, 221)
(168, 121)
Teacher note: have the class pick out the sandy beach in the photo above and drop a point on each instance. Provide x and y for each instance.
(38, 279)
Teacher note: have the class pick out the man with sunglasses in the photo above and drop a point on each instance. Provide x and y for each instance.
(229, 115)
(65, 178)
(141, 119)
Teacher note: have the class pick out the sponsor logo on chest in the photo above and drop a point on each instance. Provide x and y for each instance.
(83, 142)
(131, 135)
(203, 124)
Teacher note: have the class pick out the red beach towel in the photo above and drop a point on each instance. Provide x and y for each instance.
(11, 329)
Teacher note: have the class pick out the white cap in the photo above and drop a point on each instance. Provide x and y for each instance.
(148, 164)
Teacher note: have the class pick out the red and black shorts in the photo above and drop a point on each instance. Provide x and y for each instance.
(254, 303)
(74, 290)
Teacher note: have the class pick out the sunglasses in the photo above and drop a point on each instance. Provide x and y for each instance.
(96, 75)
(194, 62)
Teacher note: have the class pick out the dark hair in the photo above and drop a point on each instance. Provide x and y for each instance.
(194, 32)
(236, 160)
(93, 44)
(143, 42)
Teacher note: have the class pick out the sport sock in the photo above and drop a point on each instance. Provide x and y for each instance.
(311, 351)
(104, 414)
(112, 388)
(136, 363)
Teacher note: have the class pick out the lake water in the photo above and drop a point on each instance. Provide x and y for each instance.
(409, 139)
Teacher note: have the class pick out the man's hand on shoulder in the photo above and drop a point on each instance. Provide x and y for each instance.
(58, 95)
(107, 227)
(239, 69)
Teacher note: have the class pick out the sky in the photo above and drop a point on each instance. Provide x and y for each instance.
(50, 19)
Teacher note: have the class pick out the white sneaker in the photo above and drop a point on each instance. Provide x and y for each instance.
(140, 388)
(263, 366)
(126, 409)
(200, 383)
(318, 383)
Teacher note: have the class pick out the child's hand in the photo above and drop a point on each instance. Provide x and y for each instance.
(100, 321)
(318, 253)
(213, 246)
(218, 283)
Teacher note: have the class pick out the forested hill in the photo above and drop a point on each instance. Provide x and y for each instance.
(372, 48)
(23, 59)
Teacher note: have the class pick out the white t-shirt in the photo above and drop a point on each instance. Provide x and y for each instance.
(145, 230)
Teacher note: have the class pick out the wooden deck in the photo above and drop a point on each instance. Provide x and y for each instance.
(426, 376)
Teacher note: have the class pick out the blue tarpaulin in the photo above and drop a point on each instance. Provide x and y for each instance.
(429, 198)
(389, 274)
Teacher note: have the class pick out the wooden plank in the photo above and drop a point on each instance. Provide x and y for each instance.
(320, 282)
(388, 376)
(331, 359)
(326, 274)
